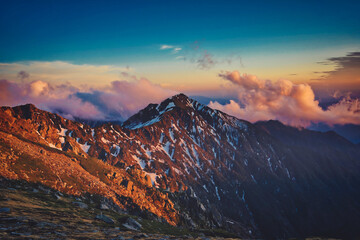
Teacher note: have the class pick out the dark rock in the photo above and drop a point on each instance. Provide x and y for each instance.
(60, 234)
(132, 224)
(104, 206)
(105, 218)
(5, 210)
(142, 235)
(21, 234)
(118, 238)
(80, 204)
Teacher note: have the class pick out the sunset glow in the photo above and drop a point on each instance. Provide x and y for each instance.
(53, 60)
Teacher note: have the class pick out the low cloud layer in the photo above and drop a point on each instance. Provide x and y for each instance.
(60, 71)
(116, 101)
(283, 100)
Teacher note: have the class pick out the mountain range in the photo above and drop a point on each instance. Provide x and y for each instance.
(186, 164)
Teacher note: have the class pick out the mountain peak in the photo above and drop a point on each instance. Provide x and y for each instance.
(26, 110)
(153, 112)
(182, 101)
(180, 96)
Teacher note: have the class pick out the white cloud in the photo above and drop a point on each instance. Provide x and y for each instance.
(174, 49)
(164, 47)
(181, 58)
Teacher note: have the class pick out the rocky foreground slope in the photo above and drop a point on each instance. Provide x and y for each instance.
(194, 166)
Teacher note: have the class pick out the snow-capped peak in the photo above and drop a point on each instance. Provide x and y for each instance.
(154, 112)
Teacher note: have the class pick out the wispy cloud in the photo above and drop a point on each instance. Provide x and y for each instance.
(174, 49)
(344, 76)
(283, 100)
(206, 61)
(180, 58)
(350, 61)
(164, 47)
(22, 75)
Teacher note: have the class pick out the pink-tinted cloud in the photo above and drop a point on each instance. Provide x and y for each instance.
(283, 100)
(126, 98)
(116, 101)
(57, 99)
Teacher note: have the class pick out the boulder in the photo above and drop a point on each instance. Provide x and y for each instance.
(105, 218)
(80, 204)
(132, 224)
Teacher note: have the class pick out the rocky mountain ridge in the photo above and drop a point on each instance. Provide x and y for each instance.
(213, 170)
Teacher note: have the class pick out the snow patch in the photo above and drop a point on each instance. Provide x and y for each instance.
(143, 124)
(269, 163)
(253, 178)
(217, 193)
(141, 162)
(161, 137)
(196, 155)
(117, 150)
(153, 178)
(63, 132)
(53, 146)
(104, 140)
(85, 147)
(172, 135)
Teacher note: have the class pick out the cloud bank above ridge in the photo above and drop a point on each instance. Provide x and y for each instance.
(290, 103)
(116, 101)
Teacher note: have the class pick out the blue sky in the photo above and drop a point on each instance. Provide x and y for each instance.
(114, 32)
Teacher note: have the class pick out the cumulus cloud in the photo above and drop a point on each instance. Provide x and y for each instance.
(283, 100)
(116, 101)
(125, 98)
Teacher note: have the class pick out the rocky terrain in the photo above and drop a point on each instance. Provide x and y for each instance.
(189, 165)
(33, 211)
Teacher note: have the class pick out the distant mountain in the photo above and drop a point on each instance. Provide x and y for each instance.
(263, 180)
(206, 100)
(349, 131)
(304, 137)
